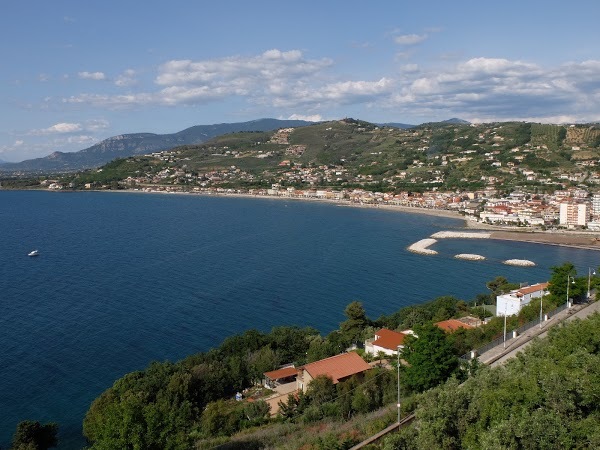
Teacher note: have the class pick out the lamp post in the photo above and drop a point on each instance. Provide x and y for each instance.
(570, 280)
(590, 273)
(504, 325)
(542, 309)
(398, 404)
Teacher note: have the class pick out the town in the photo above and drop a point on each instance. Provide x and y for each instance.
(508, 174)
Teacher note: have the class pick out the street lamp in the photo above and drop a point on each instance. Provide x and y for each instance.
(590, 273)
(542, 307)
(398, 404)
(505, 325)
(570, 280)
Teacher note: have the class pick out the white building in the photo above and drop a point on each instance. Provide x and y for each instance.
(596, 207)
(385, 341)
(573, 214)
(511, 303)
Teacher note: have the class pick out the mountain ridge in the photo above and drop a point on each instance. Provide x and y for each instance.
(132, 144)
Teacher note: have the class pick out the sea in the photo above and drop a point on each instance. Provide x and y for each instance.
(124, 279)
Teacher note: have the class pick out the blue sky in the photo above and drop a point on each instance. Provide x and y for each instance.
(76, 72)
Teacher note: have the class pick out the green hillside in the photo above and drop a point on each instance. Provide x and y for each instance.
(353, 153)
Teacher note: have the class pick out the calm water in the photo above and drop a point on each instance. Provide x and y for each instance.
(124, 279)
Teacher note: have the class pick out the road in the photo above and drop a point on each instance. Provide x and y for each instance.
(499, 355)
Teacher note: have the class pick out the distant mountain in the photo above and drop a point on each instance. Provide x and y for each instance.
(140, 143)
(402, 126)
(456, 121)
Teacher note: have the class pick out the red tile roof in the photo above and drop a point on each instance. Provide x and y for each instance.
(451, 325)
(281, 373)
(531, 289)
(389, 339)
(338, 367)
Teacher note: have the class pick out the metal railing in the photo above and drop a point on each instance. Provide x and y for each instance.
(484, 348)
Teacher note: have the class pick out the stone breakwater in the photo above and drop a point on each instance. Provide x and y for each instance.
(422, 247)
(460, 235)
(470, 257)
(519, 262)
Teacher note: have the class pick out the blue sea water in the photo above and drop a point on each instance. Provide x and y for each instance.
(125, 279)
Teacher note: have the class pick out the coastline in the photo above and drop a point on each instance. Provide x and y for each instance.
(581, 241)
(573, 239)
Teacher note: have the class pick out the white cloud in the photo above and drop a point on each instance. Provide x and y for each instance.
(501, 89)
(80, 140)
(410, 39)
(127, 78)
(270, 65)
(290, 81)
(409, 68)
(59, 128)
(19, 143)
(64, 128)
(96, 125)
(273, 78)
(91, 75)
(308, 118)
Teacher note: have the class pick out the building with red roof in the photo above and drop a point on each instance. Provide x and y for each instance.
(451, 325)
(280, 376)
(338, 368)
(511, 303)
(385, 341)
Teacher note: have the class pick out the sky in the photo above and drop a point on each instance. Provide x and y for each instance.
(76, 72)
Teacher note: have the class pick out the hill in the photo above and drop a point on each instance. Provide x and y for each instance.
(351, 153)
(544, 398)
(139, 143)
(396, 125)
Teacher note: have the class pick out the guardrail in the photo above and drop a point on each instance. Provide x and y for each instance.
(484, 348)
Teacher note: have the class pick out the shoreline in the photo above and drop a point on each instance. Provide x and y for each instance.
(573, 239)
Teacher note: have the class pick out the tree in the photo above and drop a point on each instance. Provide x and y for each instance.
(430, 358)
(499, 286)
(32, 435)
(352, 328)
(321, 390)
(559, 281)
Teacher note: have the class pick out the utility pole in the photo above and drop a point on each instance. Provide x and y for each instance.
(504, 325)
(398, 404)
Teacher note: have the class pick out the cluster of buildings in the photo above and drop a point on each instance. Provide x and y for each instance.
(385, 343)
(571, 208)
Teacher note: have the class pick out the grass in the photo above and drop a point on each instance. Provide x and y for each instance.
(294, 436)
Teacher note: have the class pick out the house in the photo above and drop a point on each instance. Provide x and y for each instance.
(451, 325)
(338, 368)
(511, 303)
(385, 341)
(280, 376)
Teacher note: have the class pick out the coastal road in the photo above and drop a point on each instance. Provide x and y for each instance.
(499, 355)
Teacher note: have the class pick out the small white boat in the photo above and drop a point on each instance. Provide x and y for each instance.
(33, 253)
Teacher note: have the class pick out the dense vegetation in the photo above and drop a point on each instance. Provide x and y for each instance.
(173, 405)
(162, 407)
(441, 156)
(546, 398)
(32, 435)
